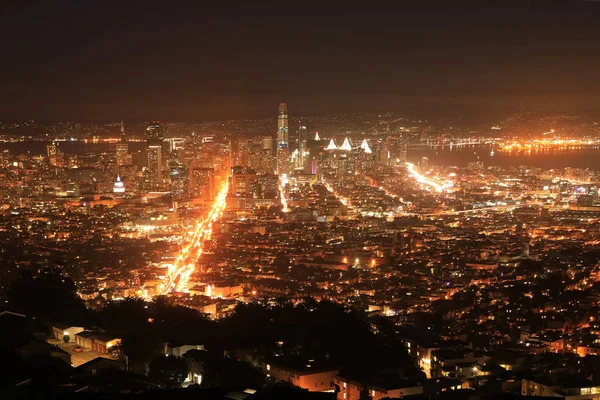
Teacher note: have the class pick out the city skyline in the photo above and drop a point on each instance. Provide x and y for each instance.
(382, 200)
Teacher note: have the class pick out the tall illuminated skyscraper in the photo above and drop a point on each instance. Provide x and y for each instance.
(402, 153)
(123, 138)
(283, 145)
(302, 148)
(122, 148)
(52, 153)
(154, 135)
(154, 166)
(178, 178)
(202, 183)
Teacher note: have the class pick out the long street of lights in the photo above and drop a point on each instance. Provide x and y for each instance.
(423, 179)
(282, 194)
(179, 273)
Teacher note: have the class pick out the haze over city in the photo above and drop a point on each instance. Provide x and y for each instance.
(220, 60)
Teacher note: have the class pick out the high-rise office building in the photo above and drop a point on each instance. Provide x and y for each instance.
(241, 179)
(154, 133)
(122, 149)
(202, 183)
(154, 137)
(267, 142)
(260, 155)
(154, 172)
(268, 186)
(123, 137)
(52, 152)
(283, 146)
(240, 150)
(176, 144)
(178, 178)
(402, 153)
(302, 147)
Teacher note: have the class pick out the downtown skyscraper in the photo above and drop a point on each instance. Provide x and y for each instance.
(122, 149)
(154, 135)
(283, 143)
(301, 150)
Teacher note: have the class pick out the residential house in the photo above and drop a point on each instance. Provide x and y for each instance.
(59, 331)
(311, 375)
(379, 387)
(571, 388)
(97, 341)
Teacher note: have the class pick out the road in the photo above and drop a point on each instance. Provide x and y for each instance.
(424, 180)
(78, 358)
(179, 273)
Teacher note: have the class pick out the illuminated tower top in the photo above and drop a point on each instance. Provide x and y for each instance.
(123, 138)
(346, 146)
(365, 146)
(282, 126)
(332, 145)
(154, 133)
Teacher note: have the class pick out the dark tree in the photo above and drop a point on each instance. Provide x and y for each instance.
(364, 395)
(219, 371)
(49, 296)
(125, 315)
(142, 344)
(172, 371)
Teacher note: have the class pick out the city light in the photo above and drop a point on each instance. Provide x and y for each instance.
(438, 237)
(282, 194)
(423, 179)
(177, 279)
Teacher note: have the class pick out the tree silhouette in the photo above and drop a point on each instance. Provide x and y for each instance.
(142, 344)
(364, 394)
(49, 296)
(125, 315)
(172, 371)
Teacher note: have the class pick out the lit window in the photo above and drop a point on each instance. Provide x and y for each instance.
(268, 367)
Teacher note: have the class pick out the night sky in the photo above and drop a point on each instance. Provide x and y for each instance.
(207, 60)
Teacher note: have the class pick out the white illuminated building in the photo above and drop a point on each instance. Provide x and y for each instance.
(118, 187)
(332, 145)
(346, 146)
(365, 146)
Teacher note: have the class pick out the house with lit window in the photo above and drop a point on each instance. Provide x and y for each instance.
(379, 387)
(569, 388)
(312, 375)
(422, 352)
(59, 331)
(97, 341)
(453, 362)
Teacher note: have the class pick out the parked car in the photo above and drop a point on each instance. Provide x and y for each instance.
(78, 349)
